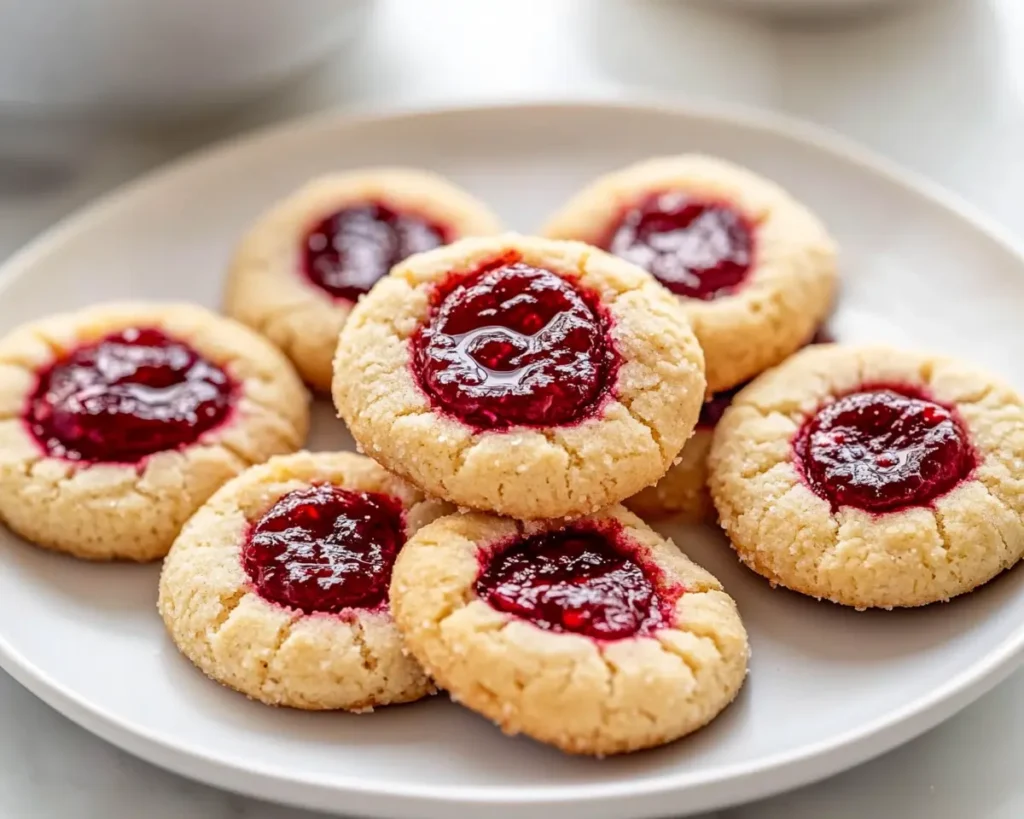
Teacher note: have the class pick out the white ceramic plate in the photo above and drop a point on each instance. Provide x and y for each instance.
(828, 687)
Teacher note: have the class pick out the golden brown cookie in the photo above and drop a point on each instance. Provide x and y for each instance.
(683, 490)
(523, 376)
(118, 421)
(299, 270)
(278, 587)
(873, 477)
(596, 636)
(754, 268)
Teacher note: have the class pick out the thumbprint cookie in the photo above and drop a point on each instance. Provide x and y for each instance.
(117, 422)
(278, 586)
(872, 477)
(596, 636)
(755, 270)
(300, 269)
(523, 376)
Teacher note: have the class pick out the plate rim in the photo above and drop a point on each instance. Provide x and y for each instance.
(760, 778)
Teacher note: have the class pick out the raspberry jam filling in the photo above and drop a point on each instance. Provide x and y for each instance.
(696, 248)
(126, 396)
(346, 253)
(575, 580)
(515, 345)
(882, 449)
(325, 549)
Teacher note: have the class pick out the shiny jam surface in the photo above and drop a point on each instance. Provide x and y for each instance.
(574, 580)
(325, 549)
(346, 253)
(127, 396)
(882, 449)
(514, 345)
(696, 248)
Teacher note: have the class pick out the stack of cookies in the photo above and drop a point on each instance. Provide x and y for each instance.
(520, 401)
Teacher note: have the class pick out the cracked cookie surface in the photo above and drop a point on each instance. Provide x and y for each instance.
(597, 636)
(755, 270)
(523, 376)
(298, 271)
(873, 477)
(118, 421)
(282, 597)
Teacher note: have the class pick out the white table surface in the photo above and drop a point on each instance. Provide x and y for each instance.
(939, 89)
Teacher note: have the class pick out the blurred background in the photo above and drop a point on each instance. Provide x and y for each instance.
(94, 92)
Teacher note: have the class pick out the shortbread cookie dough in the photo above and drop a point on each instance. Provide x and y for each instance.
(596, 636)
(302, 266)
(278, 587)
(754, 268)
(522, 376)
(873, 477)
(118, 421)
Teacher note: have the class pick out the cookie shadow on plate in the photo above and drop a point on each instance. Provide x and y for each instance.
(218, 702)
(436, 725)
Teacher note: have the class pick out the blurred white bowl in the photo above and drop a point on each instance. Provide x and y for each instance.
(160, 56)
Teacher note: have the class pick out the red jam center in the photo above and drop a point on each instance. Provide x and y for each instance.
(325, 549)
(127, 396)
(515, 345)
(883, 449)
(346, 253)
(696, 248)
(573, 581)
